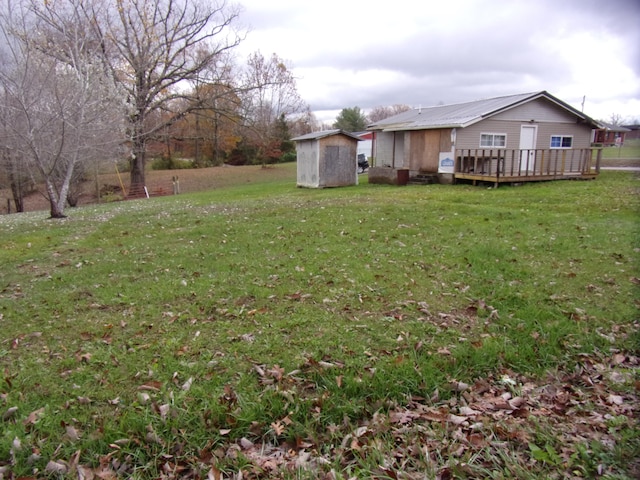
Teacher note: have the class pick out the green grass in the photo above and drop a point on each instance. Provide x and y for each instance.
(164, 331)
(630, 150)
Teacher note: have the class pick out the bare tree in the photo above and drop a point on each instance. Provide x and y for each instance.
(303, 123)
(152, 47)
(270, 97)
(615, 119)
(56, 99)
(380, 113)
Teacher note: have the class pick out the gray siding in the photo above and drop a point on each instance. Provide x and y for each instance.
(540, 110)
(385, 155)
(470, 137)
(307, 154)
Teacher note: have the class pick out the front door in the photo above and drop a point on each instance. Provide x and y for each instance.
(528, 134)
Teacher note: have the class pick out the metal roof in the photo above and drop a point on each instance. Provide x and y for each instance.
(324, 134)
(464, 114)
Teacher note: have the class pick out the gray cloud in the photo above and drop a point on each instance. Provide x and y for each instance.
(463, 51)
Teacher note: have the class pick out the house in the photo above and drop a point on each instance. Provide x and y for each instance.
(633, 131)
(326, 159)
(609, 135)
(516, 138)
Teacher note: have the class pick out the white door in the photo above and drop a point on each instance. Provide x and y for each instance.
(528, 134)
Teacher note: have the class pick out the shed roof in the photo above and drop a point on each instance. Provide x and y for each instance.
(462, 115)
(323, 134)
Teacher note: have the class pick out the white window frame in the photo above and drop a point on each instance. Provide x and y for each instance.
(493, 140)
(562, 138)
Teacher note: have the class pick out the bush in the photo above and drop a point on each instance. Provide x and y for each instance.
(170, 163)
(289, 157)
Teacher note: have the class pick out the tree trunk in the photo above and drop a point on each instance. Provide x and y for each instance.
(17, 191)
(137, 164)
(55, 209)
(16, 180)
(58, 199)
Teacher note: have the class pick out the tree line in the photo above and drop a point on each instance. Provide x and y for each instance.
(83, 82)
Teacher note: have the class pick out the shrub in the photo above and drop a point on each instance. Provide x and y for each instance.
(170, 163)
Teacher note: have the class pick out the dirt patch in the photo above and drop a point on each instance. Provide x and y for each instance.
(620, 162)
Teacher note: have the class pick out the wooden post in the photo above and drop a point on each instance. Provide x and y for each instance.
(598, 158)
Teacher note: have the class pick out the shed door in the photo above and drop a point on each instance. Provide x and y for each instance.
(528, 134)
(339, 167)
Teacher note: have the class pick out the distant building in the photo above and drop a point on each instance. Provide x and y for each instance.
(609, 135)
(633, 132)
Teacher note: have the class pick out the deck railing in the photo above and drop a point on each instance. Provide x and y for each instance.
(533, 164)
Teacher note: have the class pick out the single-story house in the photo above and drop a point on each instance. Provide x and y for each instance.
(516, 138)
(327, 159)
(633, 131)
(609, 135)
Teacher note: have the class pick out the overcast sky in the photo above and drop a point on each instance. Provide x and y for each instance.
(347, 53)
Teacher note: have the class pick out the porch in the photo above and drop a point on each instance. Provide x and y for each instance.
(515, 166)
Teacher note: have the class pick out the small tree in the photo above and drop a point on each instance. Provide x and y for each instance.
(351, 120)
(269, 97)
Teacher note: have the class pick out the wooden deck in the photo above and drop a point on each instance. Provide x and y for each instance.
(536, 165)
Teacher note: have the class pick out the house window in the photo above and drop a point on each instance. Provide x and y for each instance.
(496, 140)
(561, 141)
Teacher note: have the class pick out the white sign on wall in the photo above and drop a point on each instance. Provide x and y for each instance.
(446, 163)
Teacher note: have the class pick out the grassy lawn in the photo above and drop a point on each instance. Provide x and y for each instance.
(264, 331)
(622, 155)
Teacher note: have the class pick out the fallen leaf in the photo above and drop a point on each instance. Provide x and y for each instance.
(10, 413)
(616, 399)
(164, 410)
(72, 433)
(278, 428)
(246, 443)
(618, 359)
(187, 385)
(456, 419)
(214, 474)
(56, 467)
(33, 417)
(468, 412)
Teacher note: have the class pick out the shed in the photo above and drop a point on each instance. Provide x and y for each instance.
(516, 138)
(327, 159)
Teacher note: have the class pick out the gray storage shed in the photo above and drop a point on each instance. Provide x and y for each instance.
(327, 159)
